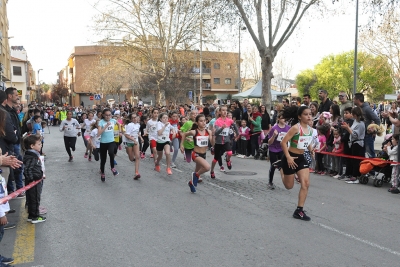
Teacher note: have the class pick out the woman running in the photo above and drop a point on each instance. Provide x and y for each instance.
(132, 135)
(70, 127)
(222, 140)
(107, 144)
(201, 137)
(86, 134)
(175, 143)
(151, 127)
(164, 132)
(293, 160)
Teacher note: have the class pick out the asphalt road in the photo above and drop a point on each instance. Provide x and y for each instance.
(233, 220)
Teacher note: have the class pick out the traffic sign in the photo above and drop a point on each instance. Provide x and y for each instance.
(91, 97)
(97, 97)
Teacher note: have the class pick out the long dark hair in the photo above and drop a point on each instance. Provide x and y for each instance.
(292, 113)
(195, 126)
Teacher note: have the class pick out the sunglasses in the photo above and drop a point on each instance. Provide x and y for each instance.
(341, 96)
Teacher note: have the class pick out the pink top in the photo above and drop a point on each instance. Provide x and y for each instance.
(322, 141)
(220, 122)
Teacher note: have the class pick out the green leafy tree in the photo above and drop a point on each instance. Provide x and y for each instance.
(305, 82)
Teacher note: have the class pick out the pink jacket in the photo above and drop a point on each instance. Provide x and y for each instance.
(244, 132)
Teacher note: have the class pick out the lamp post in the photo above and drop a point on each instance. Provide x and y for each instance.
(240, 78)
(40, 96)
(355, 53)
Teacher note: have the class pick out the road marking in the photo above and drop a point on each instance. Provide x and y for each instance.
(24, 247)
(358, 239)
(223, 188)
(175, 169)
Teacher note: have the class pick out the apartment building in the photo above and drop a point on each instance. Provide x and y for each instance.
(219, 76)
(5, 57)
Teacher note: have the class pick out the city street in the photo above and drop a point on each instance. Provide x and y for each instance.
(233, 220)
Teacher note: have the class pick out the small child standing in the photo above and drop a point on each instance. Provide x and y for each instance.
(322, 130)
(33, 172)
(338, 147)
(38, 130)
(243, 138)
(392, 152)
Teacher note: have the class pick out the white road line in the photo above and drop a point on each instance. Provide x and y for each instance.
(223, 188)
(172, 168)
(358, 239)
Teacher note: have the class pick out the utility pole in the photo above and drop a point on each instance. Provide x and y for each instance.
(355, 53)
(201, 61)
(40, 93)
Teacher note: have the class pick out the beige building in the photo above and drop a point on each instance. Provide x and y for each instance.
(5, 55)
(219, 76)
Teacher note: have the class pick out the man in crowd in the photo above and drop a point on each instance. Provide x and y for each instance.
(344, 102)
(326, 103)
(369, 117)
(285, 102)
(306, 100)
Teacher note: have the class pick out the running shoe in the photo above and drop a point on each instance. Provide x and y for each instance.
(322, 173)
(5, 260)
(42, 211)
(137, 176)
(71, 159)
(301, 215)
(114, 171)
(115, 162)
(151, 156)
(192, 188)
(212, 175)
(200, 180)
(195, 179)
(250, 157)
(157, 168)
(86, 155)
(103, 177)
(169, 171)
(353, 180)
(395, 191)
(271, 186)
(345, 178)
(90, 158)
(311, 170)
(173, 165)
(222, 169)
(336, 176)
(142, 155)
(38, 219)
(229, 164)
(277, 164)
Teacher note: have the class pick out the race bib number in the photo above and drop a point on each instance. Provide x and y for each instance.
(116, 133)
(202, 141)
(109, 128)
(304, 142)
(280, 136)
(225, 132)
(153, 129)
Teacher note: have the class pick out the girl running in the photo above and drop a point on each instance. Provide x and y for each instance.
(145, 136)
(107, 144)
(275, 137)
(164, 130)
(293, 160)
(132, 135)
(188, 141)
(175, 143)
(152, 131)
(222, 140)
(202, 136)
(94, 141)
(70, 127)
(86, 134)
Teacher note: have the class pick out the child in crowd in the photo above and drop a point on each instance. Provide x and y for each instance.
(38, 130)
(33, 172)
(242, 139)
(338, 147)
(322, 130)
(94, 141)
(345, 138)
(392, 152)
(315, 144)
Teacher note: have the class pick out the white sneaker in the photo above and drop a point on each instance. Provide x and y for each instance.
(241, 156)
(250, 157)
(173, 165)
(336, 176)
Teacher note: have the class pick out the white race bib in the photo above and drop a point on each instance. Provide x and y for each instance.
(225, 132)
(202, 141)
(280, 136)
(304, 142)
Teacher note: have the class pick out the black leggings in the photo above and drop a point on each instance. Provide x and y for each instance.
(219, 150)
(69, 143)
(104, 148)
(145, 144)
(273, 157)
(254, 143)
(117, 145)
(95, 153)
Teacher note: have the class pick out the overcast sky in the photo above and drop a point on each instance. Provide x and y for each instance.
(49, 29)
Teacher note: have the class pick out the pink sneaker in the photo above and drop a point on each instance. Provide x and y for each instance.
(86, 155)
(142, 155)
(42, 210)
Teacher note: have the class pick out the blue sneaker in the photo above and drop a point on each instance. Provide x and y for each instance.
(114, 171)
(195, 179)
(6, 260)
(192, 188)
(115, 162)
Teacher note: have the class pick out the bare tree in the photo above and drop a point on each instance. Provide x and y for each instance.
(283, 72)
(275, 22)
(251, 66)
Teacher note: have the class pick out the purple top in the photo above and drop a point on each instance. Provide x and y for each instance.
(276, 145)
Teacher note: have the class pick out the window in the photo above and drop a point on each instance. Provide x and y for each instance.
(216, 80)
(228, 66)
(216, 66)
(17, 71)
(227, 80)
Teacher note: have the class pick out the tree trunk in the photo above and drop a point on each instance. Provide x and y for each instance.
(266, 70)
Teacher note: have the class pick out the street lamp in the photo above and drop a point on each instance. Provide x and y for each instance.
(40, 97)
(240, 78)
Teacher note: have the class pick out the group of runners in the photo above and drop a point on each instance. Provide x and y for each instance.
(194, 135)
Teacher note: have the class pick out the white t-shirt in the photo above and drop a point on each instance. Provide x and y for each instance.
(152, 129)
(88, 123)
(71, 127)
(117, 112)
(164, 137)
(132, 129)
(95, 139)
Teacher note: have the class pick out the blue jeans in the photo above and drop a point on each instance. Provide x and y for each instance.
(17, 173)
(369, 145)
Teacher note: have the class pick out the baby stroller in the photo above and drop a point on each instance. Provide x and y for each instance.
(380, 165)
(263, 149)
